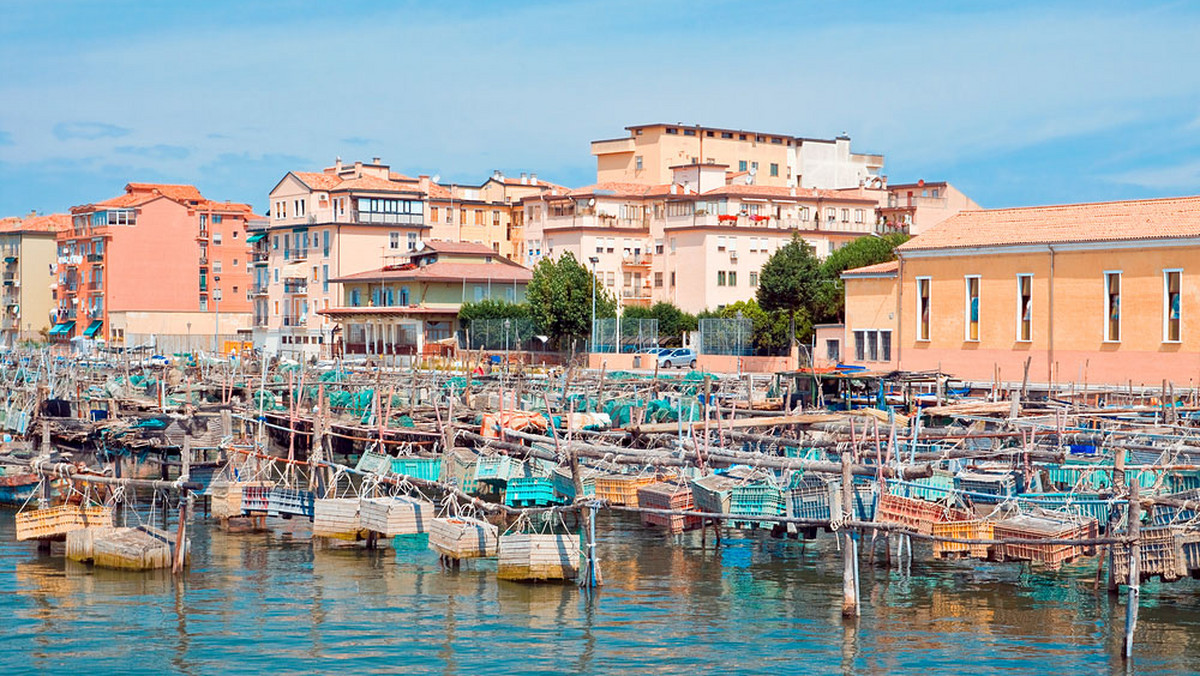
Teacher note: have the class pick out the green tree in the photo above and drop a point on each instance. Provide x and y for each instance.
(789, 281)
(672, 323)
(492, 309)
(560, 298)
(770, 330)
(831, 296)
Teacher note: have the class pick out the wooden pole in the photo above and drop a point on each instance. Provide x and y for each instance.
(1135, 591)
(849, 567)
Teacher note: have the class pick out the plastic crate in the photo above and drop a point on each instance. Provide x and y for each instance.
(809, 499)
(255, 496)
(459, 470)
(864, 495)
(974, 529)
(564, 484)
(932, 488)
(1160, 554)
(53, 523)
(987, 488)
(1164, 515)
(919, 515)
(494, 469)
(282, 501)
(375, 463)
(621, 489)
(1042, 526)
(1183, 480)
(427, 469)
(531, 492)
(673, 496)
(1090, 505)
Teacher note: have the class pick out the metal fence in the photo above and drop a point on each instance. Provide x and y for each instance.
(727, 336)
(501, 334)
(636, 335)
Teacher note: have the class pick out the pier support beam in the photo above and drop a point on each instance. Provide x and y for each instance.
(849, 545)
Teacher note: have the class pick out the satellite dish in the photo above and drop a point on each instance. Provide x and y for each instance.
(436, 177)
(592, 202)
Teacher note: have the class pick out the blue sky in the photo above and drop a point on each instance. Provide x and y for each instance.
(1016, 103)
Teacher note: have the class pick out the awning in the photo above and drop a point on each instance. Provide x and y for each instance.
(257, 237)
(93, 328)
(295, 271)
(62, 329)
(10, 259)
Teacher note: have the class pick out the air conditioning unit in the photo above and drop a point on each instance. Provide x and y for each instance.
(732, 255)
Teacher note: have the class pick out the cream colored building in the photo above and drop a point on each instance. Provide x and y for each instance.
(28, 247)
(917, 207)
(649, 152)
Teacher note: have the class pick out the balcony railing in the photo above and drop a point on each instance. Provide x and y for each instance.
(294, 320)
(295, 286)
(260, 257)
(95, 258)
(95, 286)
(636, 260)
(258, 290)
(398, 219)
(295, 254)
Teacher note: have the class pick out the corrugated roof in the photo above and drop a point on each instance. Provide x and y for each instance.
(1155, 219)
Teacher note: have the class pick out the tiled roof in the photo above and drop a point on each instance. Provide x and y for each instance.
(621, 189)
(440, 246)
(876, 269)
(438, 191)
(226, 207)
(373, 184)
(1154, 219)
(317, 180)
(179, 193)
(496, 271)
(47, 223)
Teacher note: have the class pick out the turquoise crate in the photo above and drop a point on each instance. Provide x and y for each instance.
(531, 492)
(934, 488)
(1080, 504)
(494, 469)
(808, 498)
(428, 469)
(1183, 480)
(564, 485)
(375, 463)
(864, 494)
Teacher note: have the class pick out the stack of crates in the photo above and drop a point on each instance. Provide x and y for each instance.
(672, 496)
(459, 470)
(864, 495)
(1160, 554)
(749, 497)
(918, 515)
(256, 496)
(988, 488)
(494, 469)
(53, 523)
(933, 488)
(428, 469)
(973, 529)
(621, 489)
(1042, 526)
(1165, 515)
(535, 491)
(1090, 505)
(808, 497)
(564, 483)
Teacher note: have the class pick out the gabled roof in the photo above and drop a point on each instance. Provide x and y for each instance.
(499, 271)
(317, 180)
(1129, 220)
(440, 246)
(888, 269)
(225, 207)
(374, 184)
(177, 192)
(34, 223)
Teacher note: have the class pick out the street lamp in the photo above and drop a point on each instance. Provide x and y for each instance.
(593, 260)
(217, 319)
(739, 341)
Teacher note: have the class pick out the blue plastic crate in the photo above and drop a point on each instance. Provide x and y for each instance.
(428, 469)
(531, 492)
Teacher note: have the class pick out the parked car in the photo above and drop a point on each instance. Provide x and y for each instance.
(681, 357)
(655, 351)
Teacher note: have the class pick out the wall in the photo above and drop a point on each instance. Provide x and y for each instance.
(154, 265)
(714, 363)
(870, 305)
(38, 254)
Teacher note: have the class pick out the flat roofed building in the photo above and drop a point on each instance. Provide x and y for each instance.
(29, 252)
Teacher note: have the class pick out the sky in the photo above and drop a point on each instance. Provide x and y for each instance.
(1015, 103)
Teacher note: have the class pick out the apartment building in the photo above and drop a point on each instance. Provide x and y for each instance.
(28, 247)
(489, 214)
(697, 241)
(160, 265)
(649, 152)
(917, 207)
(399, 309)
(1097, 293)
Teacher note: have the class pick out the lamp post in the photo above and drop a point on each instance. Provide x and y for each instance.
(217, 318)
(739, 341)
(593, 260)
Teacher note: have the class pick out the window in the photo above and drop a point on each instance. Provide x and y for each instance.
(971, 308)
(216, 238)
(672, 278)
(754, 166)
(275, 242)
(753, 279)
(637, 163)
(325, 243)
(479, 217)
(1024, 308)
(858, 215)
(449, 214)
(216, 267)
(845, 215)
(720, 278)
(325, 278)
(658, 246)
(742, 165)
(433, 214)
(412, 241)
(833, 350)
(872, 345)
(610, 279)
(1172, 281)
(393, 240)
(462, 216)
(1112, 307)
(860, 346)
(689, 132)
(721, 243)
(923, 308)
(726, 134)
(658, 280)
(733, 278)
(495, 217)
(774, 169)
(830, 214)
(885, 345)
(672, 130)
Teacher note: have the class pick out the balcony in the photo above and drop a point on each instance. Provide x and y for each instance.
(10, 259)
(740, 221)
(295, 320)
(391, 219)
(260, 257)
(258, 290)
(587, 220)
(10, 279)
(95, 287)
(636, 261)
(203, 260)
(636, 292)
(295, 286)
(202, 236)
(95, 258)
(295, 254)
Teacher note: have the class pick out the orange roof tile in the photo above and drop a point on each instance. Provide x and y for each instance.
(33, 223)
(876, 269)
(374, 184)
(226, 207)
(444, 271)
(179, 193)
(622, 189)
(317, 180)
(1155, 219)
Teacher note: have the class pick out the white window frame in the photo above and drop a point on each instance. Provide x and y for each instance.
(1020, 310)
(967, 308)
(1167, 305)
(1121, 315)
(924, 331)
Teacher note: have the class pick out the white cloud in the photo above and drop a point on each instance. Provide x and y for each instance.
(1183, 177)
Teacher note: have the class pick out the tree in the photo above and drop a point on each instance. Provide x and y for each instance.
(492, 309)
(560, 298)
(770, 330)
(672, 322)
(861, 252)
(789, 281)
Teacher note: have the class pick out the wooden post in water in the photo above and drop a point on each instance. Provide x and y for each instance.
(1118, 485)
(181, 532)
(849, 562)
(1135, 587)
(185, 458)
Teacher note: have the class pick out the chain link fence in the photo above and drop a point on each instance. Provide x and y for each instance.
(501, 334)
(637, 335)
(727, 336)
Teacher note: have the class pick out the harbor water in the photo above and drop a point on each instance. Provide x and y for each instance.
(271, 603)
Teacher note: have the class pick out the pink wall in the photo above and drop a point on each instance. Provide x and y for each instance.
(154, 265)
(714, 363)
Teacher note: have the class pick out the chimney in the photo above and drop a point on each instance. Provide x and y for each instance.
(337, 164)
(376, 160)
(524, 179)
(497, 175)
(533, 179)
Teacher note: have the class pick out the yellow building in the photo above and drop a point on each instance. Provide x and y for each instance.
(1084, 293)
(649, 152)
(489, 214)
(28, 247)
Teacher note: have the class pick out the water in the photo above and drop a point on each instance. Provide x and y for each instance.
(264, 602)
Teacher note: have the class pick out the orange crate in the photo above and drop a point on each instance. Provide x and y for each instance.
(55, 522)
(974, 529)
(665, 495)
(919, 515)
(1032, 527)
(621, 489)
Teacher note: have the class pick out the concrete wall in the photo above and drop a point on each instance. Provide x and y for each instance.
(715, 363)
